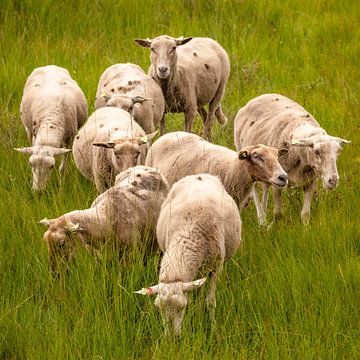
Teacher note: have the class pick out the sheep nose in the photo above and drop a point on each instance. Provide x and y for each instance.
(163, 69)
(332, 182)
(283, 178)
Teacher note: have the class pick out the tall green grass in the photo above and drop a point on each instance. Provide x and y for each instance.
(290, 293)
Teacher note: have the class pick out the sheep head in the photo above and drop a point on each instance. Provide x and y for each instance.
(42, 161)
(126, 151)
(322, 153)
(263, 164)
(172, 300)
(61, 237)
(163, 53)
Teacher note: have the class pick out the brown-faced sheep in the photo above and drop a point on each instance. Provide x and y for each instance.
(52, 109)
(108, 143)
(199, 227)
(277, 121)
(180, 154)
(124, 212)
(192, 73)
(127, 87)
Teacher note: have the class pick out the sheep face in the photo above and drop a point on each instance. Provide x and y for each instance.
(263, 164)
(172, 300)
(163, 53)
(322, 154)
(125, 155)
(125, 102)
(42, 160)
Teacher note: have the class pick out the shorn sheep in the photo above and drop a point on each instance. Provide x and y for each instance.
(109, 142)
(199, 227)
(277, 121)
(192, 73)
(124, 213)
(179, 154)
(127, 87)
(52, 109)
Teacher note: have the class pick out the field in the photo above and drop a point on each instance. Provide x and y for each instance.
(291, 292)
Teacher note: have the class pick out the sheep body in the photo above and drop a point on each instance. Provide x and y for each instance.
(192, 73)
(199, 227)
(119, 144)
(124, 212)
(52, 108)
(180, 154)
(275, 120)
(128, 87)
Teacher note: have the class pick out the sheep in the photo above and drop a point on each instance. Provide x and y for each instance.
(123, 213)
(192, 72)
(179, 154)
(127, 87)
(277, 121)
(108, 143)
(52, 108)
(199, 227)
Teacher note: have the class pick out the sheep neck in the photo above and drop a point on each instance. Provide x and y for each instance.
(49, 133)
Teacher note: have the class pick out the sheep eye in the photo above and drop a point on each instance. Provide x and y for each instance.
(317, 152)
(173, 49)
(153, 50)
(258, 157)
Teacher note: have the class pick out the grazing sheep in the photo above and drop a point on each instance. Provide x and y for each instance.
(277, 121)
(127, 87)
(192, 72)
(179, 154)
(198, 228)
(52, 109)
(108, 143)
(124, 212)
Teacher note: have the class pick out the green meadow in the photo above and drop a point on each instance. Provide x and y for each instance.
(291, 292)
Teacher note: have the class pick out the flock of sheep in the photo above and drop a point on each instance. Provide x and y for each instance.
(183, 187)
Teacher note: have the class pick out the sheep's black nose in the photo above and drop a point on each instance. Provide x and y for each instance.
(163, 69)
(283, 178)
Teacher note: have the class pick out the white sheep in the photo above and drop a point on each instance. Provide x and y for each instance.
(52, 108)
(127, 87)
(192, 72)
(109, 142)
(180, 154)
(199, 227)
(124, 213)
(277, 121)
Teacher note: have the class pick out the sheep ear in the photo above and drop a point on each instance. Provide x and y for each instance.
(152, 290)
(341, 141)
(59, 151)
(139, 99)
(146, 138)
(25, 150)
(282, 151)
(105, 96)
(73, 228)
(181, 40)
(193, 284)
(46, 222)
(243, 155)
(107, 144)
(302, 142)
(143, 42)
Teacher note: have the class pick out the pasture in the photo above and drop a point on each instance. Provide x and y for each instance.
(291, 292)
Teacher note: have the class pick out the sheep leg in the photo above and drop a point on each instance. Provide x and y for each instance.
(202, 113)
(162, 125)
(222, 119)
(308, 195)
(207, 127)
(277, 202)
(211, 296)
(260, 210)
(63, 164)
(189, 118)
